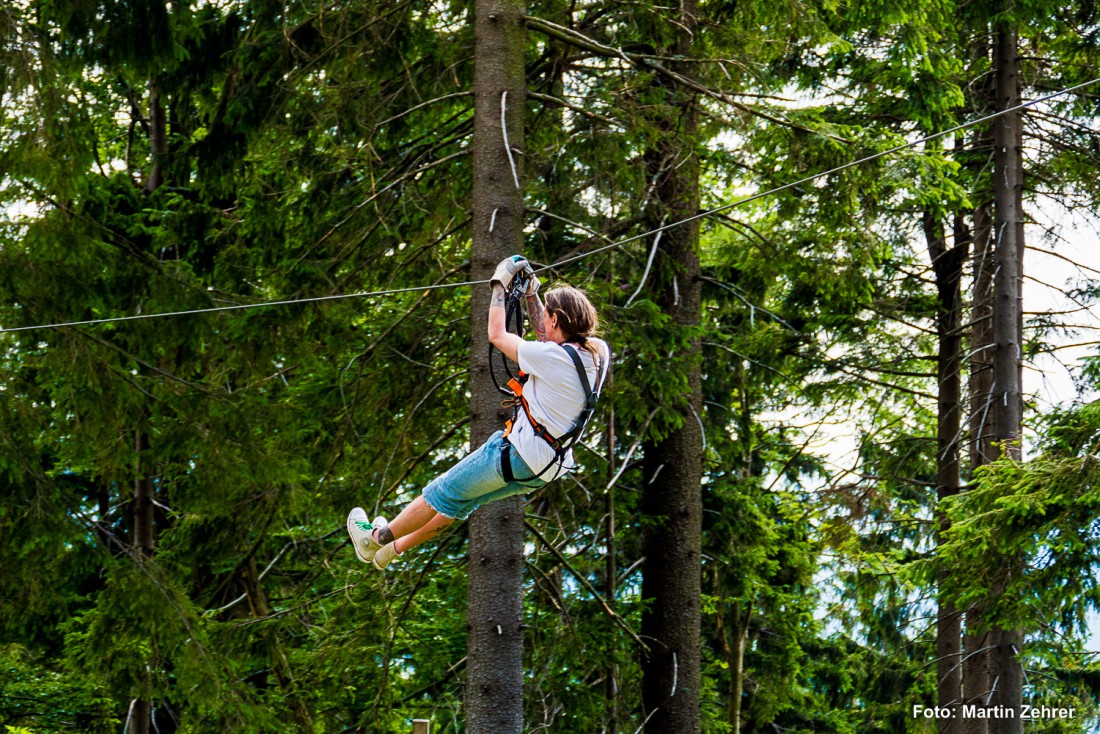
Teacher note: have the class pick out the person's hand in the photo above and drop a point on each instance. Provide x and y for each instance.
(532, 286)
(507, 270)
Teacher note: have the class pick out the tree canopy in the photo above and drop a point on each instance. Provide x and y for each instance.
(241, 245)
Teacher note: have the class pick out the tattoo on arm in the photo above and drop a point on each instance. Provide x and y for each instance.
(498, 297)
(537, 314)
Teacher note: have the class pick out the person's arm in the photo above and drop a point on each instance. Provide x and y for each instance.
(499, 336)
(536, 312)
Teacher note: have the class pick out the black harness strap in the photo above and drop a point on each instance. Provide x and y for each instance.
(562, 444)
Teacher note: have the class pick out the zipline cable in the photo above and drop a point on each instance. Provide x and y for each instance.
(581, 256)
(244, 306)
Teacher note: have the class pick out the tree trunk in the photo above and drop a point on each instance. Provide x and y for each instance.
(559, 195)
(672, 467)
(1007, 326)
(670, 583)
(1008, 252)
(257, 601)
(141, 710)
(734, 643)
(143, 502)
(977, 680)
(611, 672)
(494, 679)
(948, 267)
(158, 138)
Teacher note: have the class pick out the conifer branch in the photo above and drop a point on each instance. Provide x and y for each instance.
(840, 367)
(586, 43)
(615, 230)
(447, 675)
(1060, 256)
(570, 222)
(576, 38)
(587, 585)
(413, 463)
(403, 177)
(550, 99)
(152, 368)
(422, 105)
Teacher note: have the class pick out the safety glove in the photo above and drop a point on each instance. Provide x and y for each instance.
(507, 270)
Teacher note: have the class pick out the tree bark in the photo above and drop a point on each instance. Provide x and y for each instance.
(144, 539)
(257, 601)
(947, 264)
(494, 680)
(611, 672)
(559, 195)
(1007, 327)
(158, 138)
(141, 712)
(672, 466)
(734, 642)
(977, 680)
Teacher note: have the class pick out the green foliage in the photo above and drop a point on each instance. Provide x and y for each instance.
(35, 697)
(1043, 512)
(314, 151)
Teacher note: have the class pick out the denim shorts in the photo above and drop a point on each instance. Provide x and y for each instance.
(477, 480)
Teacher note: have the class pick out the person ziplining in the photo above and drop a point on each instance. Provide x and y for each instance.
(561, 375)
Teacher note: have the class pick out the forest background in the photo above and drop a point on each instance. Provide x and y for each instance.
(806, 503)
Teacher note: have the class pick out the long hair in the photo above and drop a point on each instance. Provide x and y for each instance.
(577, 317)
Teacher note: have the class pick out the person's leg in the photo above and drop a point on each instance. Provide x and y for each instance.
(395, 548)
(453, 495)
(415, 516)
(428, 531)
(472, 482)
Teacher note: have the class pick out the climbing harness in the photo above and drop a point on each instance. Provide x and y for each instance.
(515, 400)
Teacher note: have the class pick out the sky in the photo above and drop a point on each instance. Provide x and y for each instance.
(1049, 273)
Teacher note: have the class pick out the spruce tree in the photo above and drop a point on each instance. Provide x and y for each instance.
(494, 683)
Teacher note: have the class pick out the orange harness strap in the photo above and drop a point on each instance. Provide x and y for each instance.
(561, 444)
(516, 385)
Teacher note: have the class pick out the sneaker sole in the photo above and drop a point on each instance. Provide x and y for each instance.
(355, 545)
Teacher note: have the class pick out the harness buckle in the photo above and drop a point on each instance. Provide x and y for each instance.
(520, 281)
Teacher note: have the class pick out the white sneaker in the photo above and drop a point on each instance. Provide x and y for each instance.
(360, 531)
(384, 555)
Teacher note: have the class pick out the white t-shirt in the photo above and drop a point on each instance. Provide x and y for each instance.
(555, 397)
